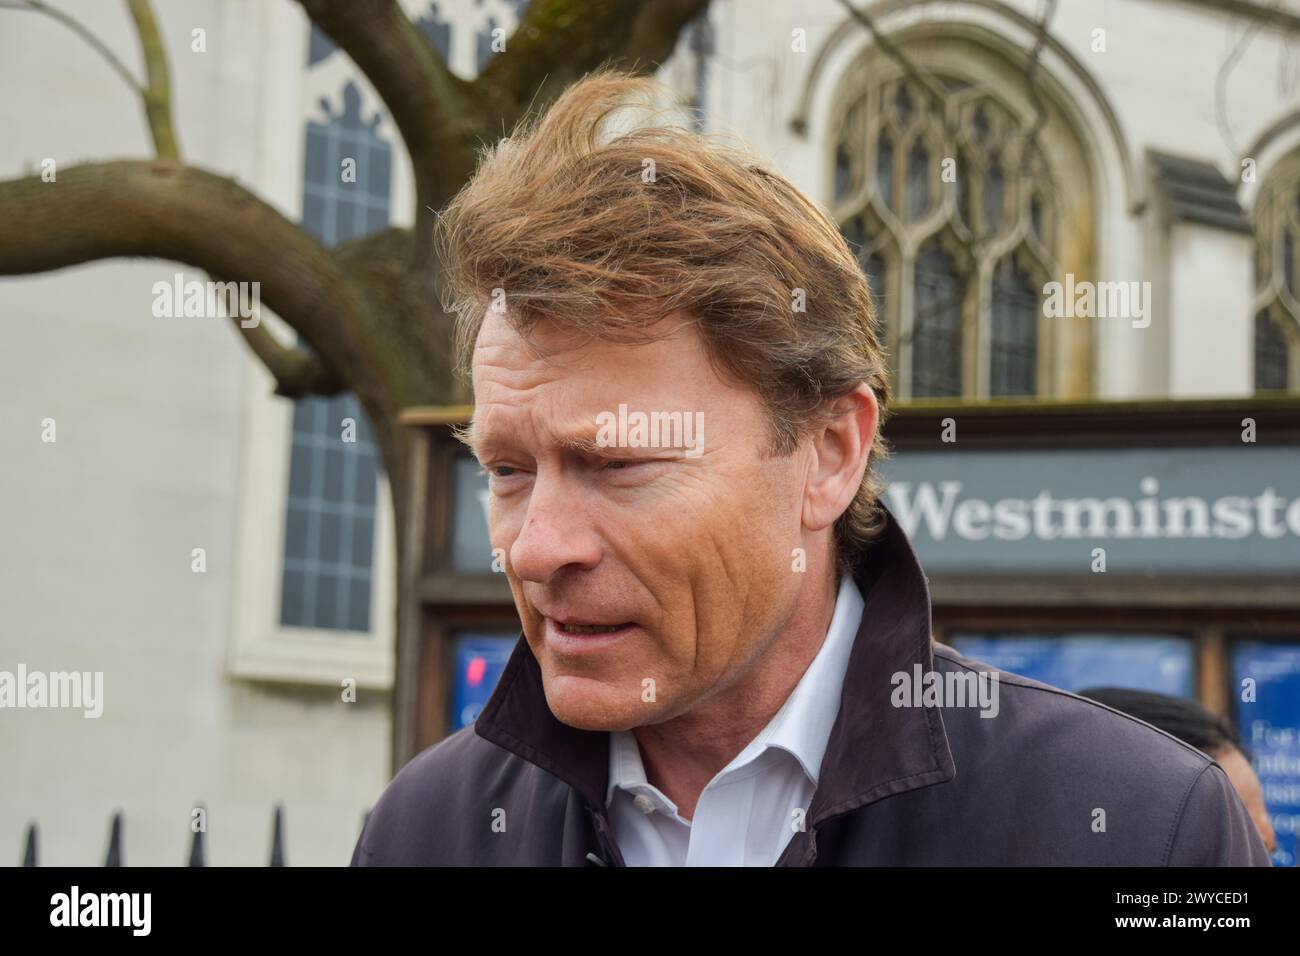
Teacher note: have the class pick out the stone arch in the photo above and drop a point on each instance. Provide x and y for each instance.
(982, 45)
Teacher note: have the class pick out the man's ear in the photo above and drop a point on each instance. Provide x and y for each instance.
(840, 452)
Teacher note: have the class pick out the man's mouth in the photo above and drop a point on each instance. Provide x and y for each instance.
(574, 632)
(591, 628)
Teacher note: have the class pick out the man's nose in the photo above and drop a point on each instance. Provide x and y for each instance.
(557, 533)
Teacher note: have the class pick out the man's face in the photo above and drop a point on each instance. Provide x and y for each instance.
(646, 578)
(1246, 783)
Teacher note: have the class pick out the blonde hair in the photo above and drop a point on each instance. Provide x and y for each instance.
(607, 233)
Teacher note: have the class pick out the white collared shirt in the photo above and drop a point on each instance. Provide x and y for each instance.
(749, 811)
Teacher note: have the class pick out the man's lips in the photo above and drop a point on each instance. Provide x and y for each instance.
(578, 622)
(572, 632)
(590, 628)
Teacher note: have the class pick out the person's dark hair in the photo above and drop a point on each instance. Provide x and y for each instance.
(1182, 718)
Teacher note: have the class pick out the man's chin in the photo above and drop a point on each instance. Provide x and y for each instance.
(587, 704)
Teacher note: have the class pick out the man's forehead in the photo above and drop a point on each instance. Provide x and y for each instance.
(592, 377)
(539, 339)
(552, 389)
(546, 340)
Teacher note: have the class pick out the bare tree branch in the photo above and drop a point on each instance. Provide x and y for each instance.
(37, 6)
(891, 49)
(168, 211)
(296, 371)
(157, 92)
(434, 110)
(655, 31)
(557, 41)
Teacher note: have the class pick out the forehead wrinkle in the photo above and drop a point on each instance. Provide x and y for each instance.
(514, 380)
(506, 349)
(575, 437)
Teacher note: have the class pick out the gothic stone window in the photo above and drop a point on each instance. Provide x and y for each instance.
(467, 33)
(1276, 326)
(330, 519)
(952, 212)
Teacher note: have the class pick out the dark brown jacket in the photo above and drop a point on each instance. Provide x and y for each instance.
(898, 785)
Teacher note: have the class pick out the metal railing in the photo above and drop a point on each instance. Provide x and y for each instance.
(198, 842)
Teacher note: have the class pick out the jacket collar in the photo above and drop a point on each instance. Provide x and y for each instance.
(875, 749)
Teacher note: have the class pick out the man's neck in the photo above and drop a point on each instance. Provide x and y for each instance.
(682, 755)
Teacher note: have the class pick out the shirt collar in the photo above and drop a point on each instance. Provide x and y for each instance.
(625, 767)
(874, 749)
(802, 725)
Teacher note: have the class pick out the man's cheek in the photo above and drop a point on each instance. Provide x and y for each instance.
(503, 530)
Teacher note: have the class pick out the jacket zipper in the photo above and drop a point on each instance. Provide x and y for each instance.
(609, 854)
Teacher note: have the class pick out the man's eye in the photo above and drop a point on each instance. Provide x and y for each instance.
(498, 471)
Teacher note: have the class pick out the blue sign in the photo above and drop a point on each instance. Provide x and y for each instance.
(480, 659)
(1231, 509)
(1074, 662)
(1267, 680)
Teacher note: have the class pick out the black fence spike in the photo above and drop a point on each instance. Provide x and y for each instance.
(197, 843)
(29, 846)
(277, 837)
(115, 842)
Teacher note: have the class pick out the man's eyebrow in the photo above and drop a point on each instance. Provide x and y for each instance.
(578, 441)
(581, 444)
(465, 435)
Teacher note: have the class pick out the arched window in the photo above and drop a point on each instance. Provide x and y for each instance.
(1271, 371)
(436, 25)
(1276, 327)
(330, 519)
(1013, 343)
(937, 324)
(943, 190)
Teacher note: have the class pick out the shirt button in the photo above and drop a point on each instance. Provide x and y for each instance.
(644, 803)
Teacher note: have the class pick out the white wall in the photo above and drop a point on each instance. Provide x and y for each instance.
(1212, 276)
(98, 527)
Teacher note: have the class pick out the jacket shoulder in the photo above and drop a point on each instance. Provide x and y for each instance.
(463, 801)
(1129, 792)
